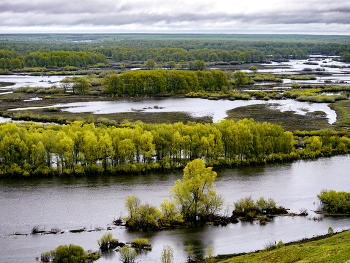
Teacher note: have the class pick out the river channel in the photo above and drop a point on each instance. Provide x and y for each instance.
(73, 203)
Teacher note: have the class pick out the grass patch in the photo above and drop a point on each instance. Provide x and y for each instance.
(57, 116)
(343, 113)
(329, 248)
(288, 119)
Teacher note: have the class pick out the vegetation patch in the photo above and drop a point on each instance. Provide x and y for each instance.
(287, 119)
(328, 248)
(343, 113)
(335, 202)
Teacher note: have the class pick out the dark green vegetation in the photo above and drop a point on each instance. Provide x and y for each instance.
(329, 248)
(287, 119)
(11, 60)
(69, 254)
(47, 50)
(335, 202)
(141, 83)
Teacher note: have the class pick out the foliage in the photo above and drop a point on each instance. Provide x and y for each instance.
(82, 86)
(141, 216)
(330, 231)
(190, 253)
(141, 242)
(114, 85)
(107, 242)
(158, 81)
(195, 195)
(127, 255)
(28, 149)
(335, 202)
(239, 78)
(167, 254)
(209, 254)
(248, 208)
(66, 254)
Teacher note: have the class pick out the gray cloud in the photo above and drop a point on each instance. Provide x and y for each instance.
(169, 14)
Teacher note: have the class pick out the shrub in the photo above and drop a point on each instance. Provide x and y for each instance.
(141, 243)
(330, 231)
(209, 254)
(271, 245)
(127, 255)
(167, 254)
(107, 242)
(190, 253)
(36, 230)
(335, 202)
(280, 244)
(66, 254)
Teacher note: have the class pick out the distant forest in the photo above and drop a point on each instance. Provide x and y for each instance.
(55, 50)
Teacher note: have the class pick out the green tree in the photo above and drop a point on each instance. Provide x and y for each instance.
(239, 78)
(253, 68)
(114, 85)
(196, 190)
(150, 64)
(82, 85)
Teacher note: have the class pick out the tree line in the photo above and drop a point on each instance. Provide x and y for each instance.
(163, 81)
(77, 148)
(10, 60)
(120, 53)
(165, 50)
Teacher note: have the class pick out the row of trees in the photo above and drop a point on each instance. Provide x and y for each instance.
(76, 148)
(120, 53)
(32, 149)
(12, 60)
(163, 81)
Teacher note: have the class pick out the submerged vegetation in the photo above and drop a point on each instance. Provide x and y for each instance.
(193, 201)
(335, 202)
(69, 254)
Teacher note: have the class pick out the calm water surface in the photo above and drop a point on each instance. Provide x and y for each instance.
(94, 202)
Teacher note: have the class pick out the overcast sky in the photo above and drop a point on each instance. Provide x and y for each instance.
(175, 16)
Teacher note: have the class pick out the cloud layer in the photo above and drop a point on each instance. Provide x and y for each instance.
(222, 16)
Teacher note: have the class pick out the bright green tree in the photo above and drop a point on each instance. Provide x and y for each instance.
(195, 190)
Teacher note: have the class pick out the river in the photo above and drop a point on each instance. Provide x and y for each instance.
(93, 202)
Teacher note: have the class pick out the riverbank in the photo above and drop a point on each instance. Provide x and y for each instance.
(325, 248)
